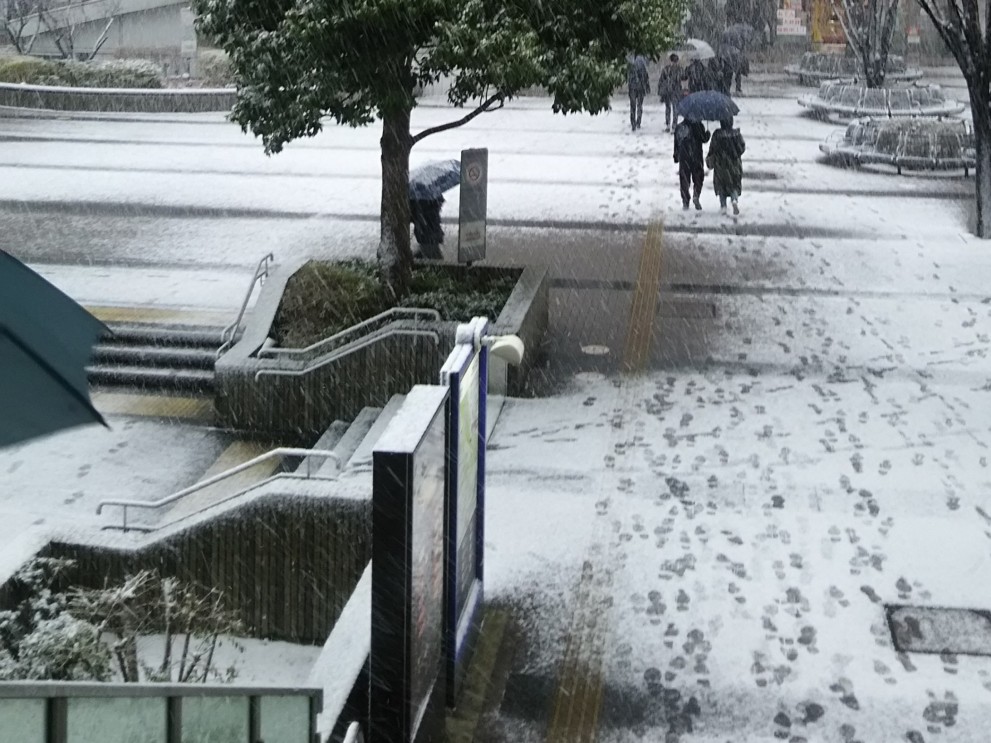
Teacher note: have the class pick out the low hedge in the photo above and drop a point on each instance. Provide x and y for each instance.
(324, 298)
(115, 73)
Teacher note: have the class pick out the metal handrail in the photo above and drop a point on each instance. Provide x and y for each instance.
(353, 734)
(261, 273)
(349, 349)
(273, 454)
(396, 312)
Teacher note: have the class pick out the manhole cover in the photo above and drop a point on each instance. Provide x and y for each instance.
(932, 629)
(594, 350)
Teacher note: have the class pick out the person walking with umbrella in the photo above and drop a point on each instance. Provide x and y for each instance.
(669, 90)
(708, 105)
(638, 82)
(689, 136)
(725, 158)
(427, 185)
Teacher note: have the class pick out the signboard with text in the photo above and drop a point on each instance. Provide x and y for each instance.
(465, 375)
(474, 205)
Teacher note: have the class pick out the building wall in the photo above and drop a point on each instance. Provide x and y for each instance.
(162, 33)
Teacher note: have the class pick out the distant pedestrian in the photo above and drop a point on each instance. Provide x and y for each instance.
(697, 77)
(717, 67)
(689, 136)
(669, 90)
(725, 158)
(427, 229)
(638, 81)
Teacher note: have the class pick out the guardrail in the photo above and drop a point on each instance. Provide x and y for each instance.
(273, 454)
(59, 712)
(229, 333)
(396, 313)
(347, 350)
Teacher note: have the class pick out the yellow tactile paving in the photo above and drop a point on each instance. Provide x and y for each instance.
(485, 680)
(163, 315)
(154, 406)
(575, 715)
(644, 308)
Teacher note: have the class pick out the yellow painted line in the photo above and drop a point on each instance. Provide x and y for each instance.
(154, 406)
(237, 453)
(163, 315)
(644, 307)
(578, 698)
(481, 687)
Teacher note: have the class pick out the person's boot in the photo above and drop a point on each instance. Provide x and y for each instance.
(736, 207)
(684, 205)
(722, 208)
(698, 204)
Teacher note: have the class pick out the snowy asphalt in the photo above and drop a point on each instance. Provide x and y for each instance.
(807, 442)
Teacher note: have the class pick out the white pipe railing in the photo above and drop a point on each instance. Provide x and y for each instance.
(414, 313)
(355, 346)
(220, 477)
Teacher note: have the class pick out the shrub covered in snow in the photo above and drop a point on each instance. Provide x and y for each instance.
(84, 634)
(115, 73)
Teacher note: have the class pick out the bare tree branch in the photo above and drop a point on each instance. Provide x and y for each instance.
(488, 105)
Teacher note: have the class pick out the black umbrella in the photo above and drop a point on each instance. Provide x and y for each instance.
(707, 105)
(428, 182)
(46, 340)
(738, 35)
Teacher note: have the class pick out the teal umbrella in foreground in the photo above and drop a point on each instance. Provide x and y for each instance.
(46, 340)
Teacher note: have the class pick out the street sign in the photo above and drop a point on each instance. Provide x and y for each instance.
(474, 204)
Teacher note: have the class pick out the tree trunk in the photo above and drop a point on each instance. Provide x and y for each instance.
(982, 136)
(395, 259)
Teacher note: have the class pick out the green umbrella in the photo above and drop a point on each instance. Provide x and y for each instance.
(46, 340)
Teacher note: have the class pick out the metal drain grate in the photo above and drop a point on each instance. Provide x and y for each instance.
(934, 629)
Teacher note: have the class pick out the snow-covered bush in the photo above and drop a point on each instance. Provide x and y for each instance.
(215, 68)
(86, 634)
(65, 649)
(115, 73)
(39, 640)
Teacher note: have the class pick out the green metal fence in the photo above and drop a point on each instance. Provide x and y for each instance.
(55, 712)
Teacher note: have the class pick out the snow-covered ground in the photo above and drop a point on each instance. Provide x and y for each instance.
(712, 543)
(723, 528)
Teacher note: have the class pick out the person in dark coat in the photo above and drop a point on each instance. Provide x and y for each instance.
(696, 76)
(669, 90)
(717, 75)
(727, 63)
(725, 158)
(427, 229)
(689, 136)
(638, 81)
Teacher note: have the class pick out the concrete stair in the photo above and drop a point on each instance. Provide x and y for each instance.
(154, 357)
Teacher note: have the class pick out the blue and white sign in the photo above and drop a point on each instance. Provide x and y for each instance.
(465, 374)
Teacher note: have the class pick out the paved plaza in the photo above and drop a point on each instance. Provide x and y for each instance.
(747, 438)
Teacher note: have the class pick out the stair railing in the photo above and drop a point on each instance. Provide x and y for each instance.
(326, 344)
(353, 347)
(229, 333)
(260, 459)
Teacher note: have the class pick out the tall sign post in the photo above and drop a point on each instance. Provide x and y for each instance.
(409, 483)
(465, 374)
(474, 205)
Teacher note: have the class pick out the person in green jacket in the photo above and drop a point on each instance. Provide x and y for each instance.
(725, 158)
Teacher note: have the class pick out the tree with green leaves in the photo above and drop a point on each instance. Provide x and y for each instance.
(965, 28)
(298, 62)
